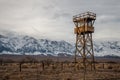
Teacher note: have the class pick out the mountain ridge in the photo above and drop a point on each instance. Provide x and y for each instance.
(26, 44)
(30, 45)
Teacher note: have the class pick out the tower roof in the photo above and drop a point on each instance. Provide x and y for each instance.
(85, 15)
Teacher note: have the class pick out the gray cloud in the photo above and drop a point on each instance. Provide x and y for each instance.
(108, 19)
(53, 19)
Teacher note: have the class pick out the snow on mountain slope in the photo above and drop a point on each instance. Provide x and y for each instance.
(30, 45)
(107, 48)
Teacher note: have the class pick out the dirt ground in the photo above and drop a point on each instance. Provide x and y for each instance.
(58, 71)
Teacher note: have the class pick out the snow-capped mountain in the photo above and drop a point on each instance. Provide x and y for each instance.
(102, 48)
(31, 45)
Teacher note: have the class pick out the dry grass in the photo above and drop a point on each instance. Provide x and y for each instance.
(59, 71)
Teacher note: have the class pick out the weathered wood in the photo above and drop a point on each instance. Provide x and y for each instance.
(84, 45)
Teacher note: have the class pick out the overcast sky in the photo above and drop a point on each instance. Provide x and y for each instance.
(52, 19)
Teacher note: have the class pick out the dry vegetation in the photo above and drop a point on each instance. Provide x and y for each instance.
(53, 70)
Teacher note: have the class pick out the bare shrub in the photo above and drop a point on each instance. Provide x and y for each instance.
(110, 67)
(25, 66)
(6, 76)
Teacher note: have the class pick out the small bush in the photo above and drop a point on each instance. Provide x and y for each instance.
(6, 77)
(110, 67)
(25, 66)
(33, 66)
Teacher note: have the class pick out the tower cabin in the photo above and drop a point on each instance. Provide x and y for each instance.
(84, 23)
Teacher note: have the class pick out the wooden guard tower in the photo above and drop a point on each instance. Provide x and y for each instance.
(84, 45)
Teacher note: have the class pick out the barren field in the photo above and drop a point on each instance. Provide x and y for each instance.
(47, 70)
